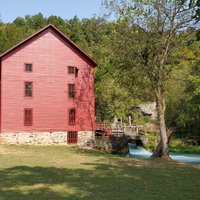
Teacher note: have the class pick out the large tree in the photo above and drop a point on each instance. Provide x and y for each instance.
(146, 46)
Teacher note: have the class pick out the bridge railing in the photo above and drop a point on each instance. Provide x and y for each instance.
(104, 128)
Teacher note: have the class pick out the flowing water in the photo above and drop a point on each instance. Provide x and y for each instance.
(139, 152)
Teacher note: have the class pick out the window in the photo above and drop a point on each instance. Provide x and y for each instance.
(28, 89)
(71, 90)
(71, 70)
(76, 72)
(28, 67)
(28, 116)
(72, 137)
(71, 116)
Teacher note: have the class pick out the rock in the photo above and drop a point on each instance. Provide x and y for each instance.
(112, 144)
(149, 109)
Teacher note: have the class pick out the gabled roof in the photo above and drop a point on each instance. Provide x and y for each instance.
(85, 55)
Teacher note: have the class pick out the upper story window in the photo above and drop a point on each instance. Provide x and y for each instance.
(28, 89)
(71, 90)
(28, 67)
(28, 116)
(71, 70)
(76, 72)
(72, 116)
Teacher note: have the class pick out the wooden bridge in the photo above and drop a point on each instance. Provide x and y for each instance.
(118, 135)
(108, 129)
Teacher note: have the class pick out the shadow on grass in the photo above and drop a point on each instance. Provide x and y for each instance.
(89, 152)
(98, 182)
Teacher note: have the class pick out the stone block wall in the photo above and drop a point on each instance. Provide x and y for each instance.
(85, 138)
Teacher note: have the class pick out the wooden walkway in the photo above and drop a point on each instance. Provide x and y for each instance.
(108, 129)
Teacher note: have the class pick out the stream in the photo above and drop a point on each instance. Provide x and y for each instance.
(139, 152)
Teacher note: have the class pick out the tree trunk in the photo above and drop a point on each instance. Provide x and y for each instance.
(162, 148)
(158, 150)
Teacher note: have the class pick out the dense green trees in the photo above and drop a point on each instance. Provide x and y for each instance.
(181, 89)
(119, 47)
(149, 50)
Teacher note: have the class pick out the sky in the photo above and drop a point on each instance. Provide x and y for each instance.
(66, 9)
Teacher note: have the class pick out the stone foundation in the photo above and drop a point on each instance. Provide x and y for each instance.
(85, 138)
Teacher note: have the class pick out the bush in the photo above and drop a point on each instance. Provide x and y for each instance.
(153, 139)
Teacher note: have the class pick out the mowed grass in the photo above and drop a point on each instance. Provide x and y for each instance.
(60, 173)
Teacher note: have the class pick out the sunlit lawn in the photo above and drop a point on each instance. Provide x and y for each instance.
(60, 172)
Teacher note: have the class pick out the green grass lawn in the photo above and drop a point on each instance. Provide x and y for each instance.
(60, 173)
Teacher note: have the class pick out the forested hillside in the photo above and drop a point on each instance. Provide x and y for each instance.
(118, 93)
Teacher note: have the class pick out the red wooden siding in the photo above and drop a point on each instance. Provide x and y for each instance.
(50, 57)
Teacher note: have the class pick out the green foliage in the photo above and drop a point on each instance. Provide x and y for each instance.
(149, 35)
(184, 143)
(182, 91)
(153, 139)
(185, 149)
(119, 47)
